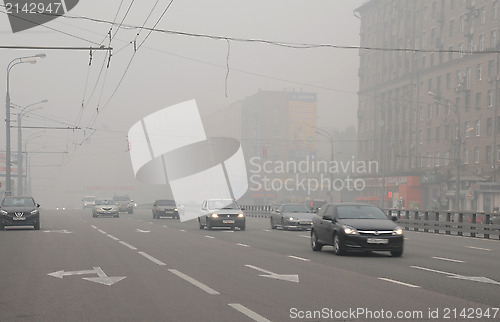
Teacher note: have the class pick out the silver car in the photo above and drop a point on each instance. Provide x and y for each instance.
(292, 216)
(105, 207)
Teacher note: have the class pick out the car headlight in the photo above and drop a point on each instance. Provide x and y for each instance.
(350, 230)
(34, 212)
(241, 215)
(291, 218)
(175, 209)
(397, 231)
(214, 215)
(3, 212)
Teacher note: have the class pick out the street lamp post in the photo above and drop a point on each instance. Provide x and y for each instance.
(329, 137)
(455, 110)
(8, 173)
(19, 145)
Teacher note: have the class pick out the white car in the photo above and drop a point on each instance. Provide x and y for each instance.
(105, 207)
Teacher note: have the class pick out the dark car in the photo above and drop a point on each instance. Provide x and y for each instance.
(19, 211)
(291, 216)
(165, 208)
(125, 204)
(221, 213)
(356, 227)
(105, 207)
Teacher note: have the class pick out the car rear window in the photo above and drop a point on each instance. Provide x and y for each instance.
(166, 202)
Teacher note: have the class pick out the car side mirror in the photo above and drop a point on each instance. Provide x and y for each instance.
(394, 218)
(327, 218)
(38, 206)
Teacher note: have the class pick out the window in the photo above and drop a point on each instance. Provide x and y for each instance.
(498, 152)
(429, 135)
(481, 42)
(476, 154)
(461, 50)
(466, 156)
(429, 112)
(429, 85)
(483, 15)
(438, 134)
(420, 136)
(494, 39)
(490, 98)
(420, 161)
(478, 127)
(429, 159)
(450, 53)
(447, 158)
(468, 77)
(448, 81)
(479, 71)
(467, 128)
(491, 69)
(478, 100)
(462, 23)
(420, 113)
(447, 132)
(437, 159)
(488, 154)
(467, 101)
(489, 126)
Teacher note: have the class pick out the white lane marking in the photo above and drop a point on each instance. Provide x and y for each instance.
(194, 282)
(112, 237)
(398, 282)
(101, 231)
(481, 279)
(305, 236)
(244, 245)
(142, 231)
(150, 222)
(151, 258)
(181, 230)
(448, 259)
(228, 231)
(434, 271)
(251, 314)
(210, 236)
(479, 248)
(165, 226)
(266, 230)
(93, 226)
(299, 258)
(128, 245)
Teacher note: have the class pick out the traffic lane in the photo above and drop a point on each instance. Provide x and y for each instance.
(409, 268)
(222, 266)
(149, 292)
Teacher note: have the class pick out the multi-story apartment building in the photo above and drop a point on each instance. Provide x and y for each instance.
(428, 68)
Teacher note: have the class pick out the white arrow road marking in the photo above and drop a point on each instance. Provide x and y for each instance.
(64, 231)
(481, 279)
(102, 279)
(284, 277)
(143, 231)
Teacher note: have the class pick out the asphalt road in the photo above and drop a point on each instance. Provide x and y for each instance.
(136, 268)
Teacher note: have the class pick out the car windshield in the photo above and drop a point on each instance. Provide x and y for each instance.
(360, 212)
(222, 204)
(18, 202)
(166, 202)
(121, 198)
(295, 208)
(101, 202)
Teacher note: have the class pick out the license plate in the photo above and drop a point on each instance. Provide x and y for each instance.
(377, 241)
(19, 218)
(228, 221)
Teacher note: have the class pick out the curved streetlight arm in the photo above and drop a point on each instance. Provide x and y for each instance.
(440, 99)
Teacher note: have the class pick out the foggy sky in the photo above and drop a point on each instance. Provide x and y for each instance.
(166, 70)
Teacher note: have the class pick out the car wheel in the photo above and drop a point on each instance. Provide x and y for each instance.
(242, 226)
(37, 225)
(273, 226)
(315, 245)
(209, 225)
(283, 226)
(397, 253)
(2, 227)
(338, 247)
(201, 225)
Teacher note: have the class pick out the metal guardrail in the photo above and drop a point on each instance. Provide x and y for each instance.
(471, 224)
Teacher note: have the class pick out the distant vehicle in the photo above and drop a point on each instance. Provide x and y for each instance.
(315, 204)
(291, 216)
(88, 201)
(105, 207)
(221, 213)
(165, 208)
(125, 204)
(19, 211)
(356, 227)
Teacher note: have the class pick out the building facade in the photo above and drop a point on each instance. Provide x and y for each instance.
(429, 103)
